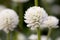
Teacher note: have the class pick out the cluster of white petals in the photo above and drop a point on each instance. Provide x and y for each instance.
(21, 36)
(34, 37)
(22, 1)
(37, 17)
(51, 22)
(34, 16)
(8, 20)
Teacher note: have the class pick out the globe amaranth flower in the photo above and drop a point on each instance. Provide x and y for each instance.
(34, 16)
(21, 1)
(8, 20)
(51, 22)
(34, 37)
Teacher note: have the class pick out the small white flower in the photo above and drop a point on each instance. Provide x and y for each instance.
(34, 37)
(20, 1)
(2, 7)
(21, 37)
(8, 20)
(58, 38)
(51, 22)
(34, 16)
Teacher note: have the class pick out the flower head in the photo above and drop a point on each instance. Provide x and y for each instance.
(34, 16)
(51, 22)
(8, 20)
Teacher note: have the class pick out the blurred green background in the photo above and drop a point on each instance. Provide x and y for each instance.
(52, 7)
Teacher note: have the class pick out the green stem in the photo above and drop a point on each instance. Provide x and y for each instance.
(8, 36)
(38, 29)
(49, 33)
(15, 35)
(39, 33)
(36, 2)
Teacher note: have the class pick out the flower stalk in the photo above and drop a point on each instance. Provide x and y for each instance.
(49, 33)
(39, 33)
(36, 2)
(38, 29)
(8, 36)
(15, 35)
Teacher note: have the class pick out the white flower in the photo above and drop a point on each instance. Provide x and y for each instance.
(51, 22)
(21, 37)
(2, 7)
(20, 1)
(34, 37)
(8, 20)
(34, 16)
(58, 38)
